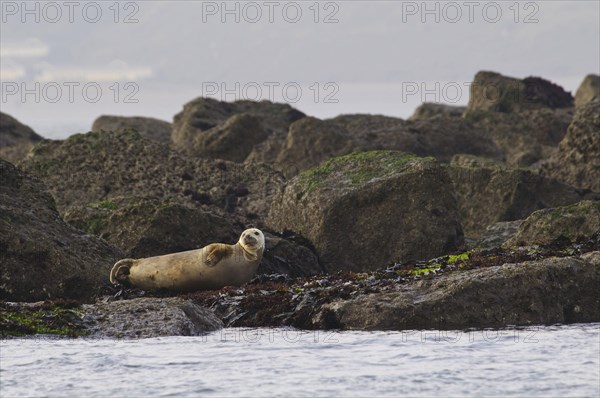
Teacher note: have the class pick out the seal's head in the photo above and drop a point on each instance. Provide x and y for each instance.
(252, 240)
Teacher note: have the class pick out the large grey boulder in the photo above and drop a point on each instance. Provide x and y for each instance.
(577, 160)
(311, 141)
(553, 290)
(42, 257)
(231, 140)
(145, 227)
(526, 137)
(494, 92)
(148, 317)
(150, 128)
(365, 210)
(488, 195)
(203, 114)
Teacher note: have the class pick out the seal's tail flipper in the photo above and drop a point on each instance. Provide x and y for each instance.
(120, 272)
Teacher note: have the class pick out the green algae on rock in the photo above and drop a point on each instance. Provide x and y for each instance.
(349, 171)
(59, 318)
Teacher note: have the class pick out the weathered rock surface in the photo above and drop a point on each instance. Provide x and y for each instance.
(285, 256)
(89, 168)
(231, 140)
(571, 222)
(427, 110)
(16, 139)
(13, 132)
(145, 227)
(525, 137)
(42, 257)
(488, 195)
(150, 128)
(497, 234)
(577, 160)
(464, 160)
(149, 317)
(441, 137)
(554, 290)
(491, 91)
(588, 90)
(311, 141)
(203, 114)
(372, 208)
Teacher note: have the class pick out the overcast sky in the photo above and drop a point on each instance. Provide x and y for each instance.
(65, 63)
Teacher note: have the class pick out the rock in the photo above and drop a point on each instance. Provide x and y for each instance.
(588, 90)
(448, 136)
(42, 257)
(311, 141)
(491, 91)
(365, 210)
(497, 234)
(203, 114)
(488, 195)
(149, 317)
(553, 290)
(16, 139)
(547, 225)
(13, 132)
(283, 256)
(428, 110)
(525, 137)
(93, 167)
(361, 125)
(231, 140)
(576, 161)
(145, 227)
(440, 137)
(150, 128)
(59, 317)
(464, 160)
(268, 151)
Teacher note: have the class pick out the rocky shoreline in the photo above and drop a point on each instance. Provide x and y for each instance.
(483, 216)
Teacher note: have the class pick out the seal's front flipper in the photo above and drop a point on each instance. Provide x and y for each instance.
(217, 252)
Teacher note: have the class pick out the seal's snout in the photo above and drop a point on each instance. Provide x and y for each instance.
(250, 240)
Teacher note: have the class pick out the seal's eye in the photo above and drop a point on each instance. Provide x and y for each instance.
(256, 233)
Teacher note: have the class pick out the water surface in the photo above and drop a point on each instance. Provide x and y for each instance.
(551, 361)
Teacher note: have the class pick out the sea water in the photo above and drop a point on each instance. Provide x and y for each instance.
(538, 361)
